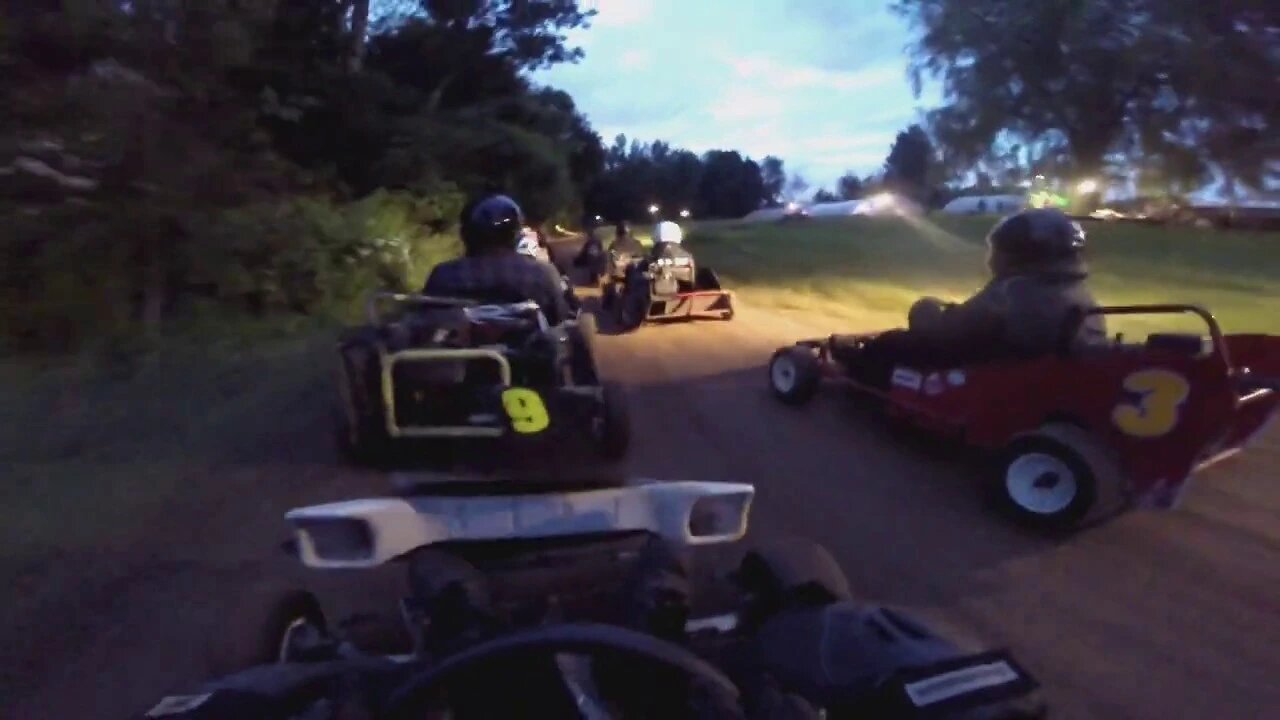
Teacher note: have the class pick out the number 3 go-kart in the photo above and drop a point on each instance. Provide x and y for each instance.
(436, 382)
(665, 289)
(578, 604)
(1133, 420)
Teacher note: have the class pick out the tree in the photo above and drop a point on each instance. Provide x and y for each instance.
(825, 196)
(907, 168)
(1174, 81)
(797, 186)
(849, 186)
(774, 176)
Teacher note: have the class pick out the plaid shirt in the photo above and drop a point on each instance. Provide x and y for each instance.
(508, 277)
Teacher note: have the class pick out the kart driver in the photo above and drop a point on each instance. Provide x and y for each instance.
(1037, 282)
(492, 270)
(624, 243)
(667, 239)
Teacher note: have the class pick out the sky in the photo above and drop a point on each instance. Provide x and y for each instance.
(822, 84)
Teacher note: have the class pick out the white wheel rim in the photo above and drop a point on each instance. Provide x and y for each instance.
(1040, 483)
(783, 374)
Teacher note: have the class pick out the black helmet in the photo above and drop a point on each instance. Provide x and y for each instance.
(1034, 236)
(494, 221)
(620, 228)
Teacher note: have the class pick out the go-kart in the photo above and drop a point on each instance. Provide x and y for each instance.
(578, 604)
(433, 380)
(665, 289)
(1134, 420)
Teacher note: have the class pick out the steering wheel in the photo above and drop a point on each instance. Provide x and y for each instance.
(708, 693)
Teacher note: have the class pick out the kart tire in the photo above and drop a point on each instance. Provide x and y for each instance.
(794, 374)
(613, 436)
(1044, 479)
(360, 437)
(632, 307)
(582, 348)
(782, 574)
(255, 630)
(728, 313)
(609, 295)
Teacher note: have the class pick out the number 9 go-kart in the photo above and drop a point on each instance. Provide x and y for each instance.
(665, 289)
(1134, 420)
(438, 380)
(579, 604)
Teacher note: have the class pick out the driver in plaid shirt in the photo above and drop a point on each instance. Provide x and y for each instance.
(492, 270)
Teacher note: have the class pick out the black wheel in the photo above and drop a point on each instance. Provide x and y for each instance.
(613, 430)
(582, 358)
(789, 573)
(1045, 481)
(609, 295)
(359, 431)
(728, 313)
(794, 374)
(632, 307)
(268, 626)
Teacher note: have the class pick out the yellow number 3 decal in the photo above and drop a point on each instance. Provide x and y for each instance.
(1156, 412)
(527, 411)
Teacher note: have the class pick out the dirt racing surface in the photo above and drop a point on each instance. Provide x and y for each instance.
(1173, 615)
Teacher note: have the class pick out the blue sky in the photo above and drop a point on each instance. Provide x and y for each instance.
(820, 83)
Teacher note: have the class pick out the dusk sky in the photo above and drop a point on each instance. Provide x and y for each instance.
(820, 83)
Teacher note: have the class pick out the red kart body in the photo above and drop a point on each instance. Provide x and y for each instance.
(1158, 411)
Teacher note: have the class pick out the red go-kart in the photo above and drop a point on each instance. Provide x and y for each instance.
(1138, 419)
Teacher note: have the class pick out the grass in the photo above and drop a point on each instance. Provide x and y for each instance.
(867, 271)
(91, 452)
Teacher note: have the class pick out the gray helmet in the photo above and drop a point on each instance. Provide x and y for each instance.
(1034, 236)
(493, 221)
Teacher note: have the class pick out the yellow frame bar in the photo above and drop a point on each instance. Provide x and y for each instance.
(389, 361)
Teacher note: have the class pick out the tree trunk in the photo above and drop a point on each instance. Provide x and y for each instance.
(359, 33)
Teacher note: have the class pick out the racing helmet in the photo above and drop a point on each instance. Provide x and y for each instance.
(621, 229)
(667, 232)
(1036, 236)
(494, 221)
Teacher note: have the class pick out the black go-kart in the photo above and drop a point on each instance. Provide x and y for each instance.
(581, 604)
(664, 289)
(438, 383)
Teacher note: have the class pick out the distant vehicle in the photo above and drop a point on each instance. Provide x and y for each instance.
(985, 204)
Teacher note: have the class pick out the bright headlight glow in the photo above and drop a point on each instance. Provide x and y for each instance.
(883, 199)
(653, 209)
(1087, 185)
(684, 213)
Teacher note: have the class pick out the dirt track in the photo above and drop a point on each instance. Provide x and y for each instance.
(1152, 616)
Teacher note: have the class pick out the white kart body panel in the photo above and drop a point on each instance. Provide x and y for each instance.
(396, 526)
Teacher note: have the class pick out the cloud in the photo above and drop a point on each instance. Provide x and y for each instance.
(819, 83)
(619, 13)
(635, 59)
(805, 76)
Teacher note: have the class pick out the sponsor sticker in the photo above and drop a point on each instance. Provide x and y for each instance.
(177, 704)
(956, 683)
(933, 384)
(907, 378)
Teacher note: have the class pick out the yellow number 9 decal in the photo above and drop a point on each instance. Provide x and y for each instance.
(1159, 405)
(527, 411)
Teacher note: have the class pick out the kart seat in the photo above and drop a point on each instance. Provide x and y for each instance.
(846, 348)
(1187, 344)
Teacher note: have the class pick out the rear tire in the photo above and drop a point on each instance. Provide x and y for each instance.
(794, 374)
(613, 435)
(1043, 480)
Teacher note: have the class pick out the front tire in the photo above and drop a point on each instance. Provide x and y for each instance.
(270, 626)
(1045, 481)
(794, 374)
